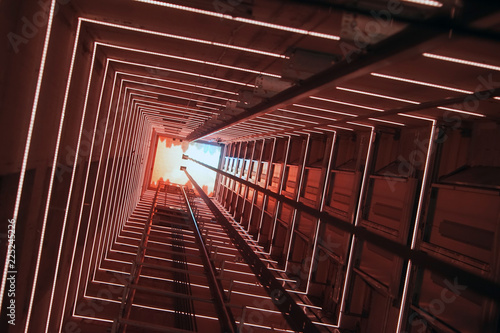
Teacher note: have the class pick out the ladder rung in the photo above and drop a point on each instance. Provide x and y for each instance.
(171, 269)
(169, 293)
(152, 327)
(171, 252)
(162, 223)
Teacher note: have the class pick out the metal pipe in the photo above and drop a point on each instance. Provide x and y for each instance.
(293, 314)
(226, 319)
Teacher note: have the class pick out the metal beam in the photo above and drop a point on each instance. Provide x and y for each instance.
(356, 63)
(226, 319)
(293, 314)
(353, 65)
(413, 15)
(480, 284)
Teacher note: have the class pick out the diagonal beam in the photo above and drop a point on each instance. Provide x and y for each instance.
(480, 284)
(353, 65)
(356, 62)
(293, 314)
(415, 15)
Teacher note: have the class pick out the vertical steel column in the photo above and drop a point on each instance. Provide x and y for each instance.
(418, 218)
(234, 195)
(264, 204)
(322, 203)
(356, 220)
(248, 176)
(218, 177)
(254, 198)
(297, 198)
(280, 189)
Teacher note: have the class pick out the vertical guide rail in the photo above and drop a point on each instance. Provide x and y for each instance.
(293, 314)
(226, 319)
(129, 290)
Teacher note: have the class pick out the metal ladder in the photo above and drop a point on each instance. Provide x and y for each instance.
(171, 212)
